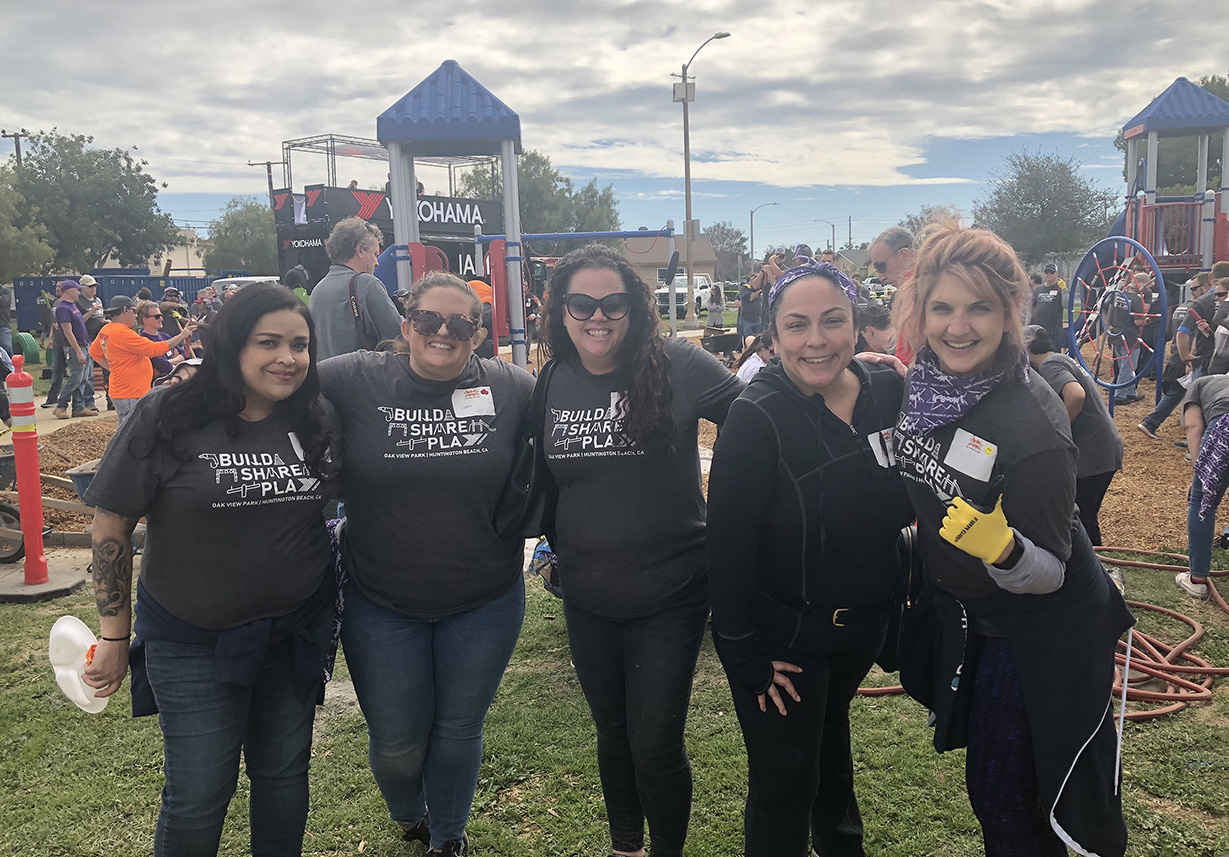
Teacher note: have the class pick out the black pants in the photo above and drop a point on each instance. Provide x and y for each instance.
(1089, 492)
(636, 675)
(999, 771)
(800, 767)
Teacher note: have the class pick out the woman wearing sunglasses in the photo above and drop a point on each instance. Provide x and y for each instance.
(149, 314)
(621, 441)
(1014, 632)
(435, 597)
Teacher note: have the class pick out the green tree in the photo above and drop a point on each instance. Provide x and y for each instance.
(596, 209)
(95, 203)
(1177, 157)
(1042, 205)
(244, 237)
(730, 245)
(549, 200)
(23, 248)
(915, 223)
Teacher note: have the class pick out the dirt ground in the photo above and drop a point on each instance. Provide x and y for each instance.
(64, 449)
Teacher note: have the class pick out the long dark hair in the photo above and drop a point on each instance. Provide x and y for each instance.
(648, 419)
(216, 391)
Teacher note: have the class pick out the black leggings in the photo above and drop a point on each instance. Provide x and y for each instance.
(1089, 492)
(636, 675)
(999, 770)
(800, 767)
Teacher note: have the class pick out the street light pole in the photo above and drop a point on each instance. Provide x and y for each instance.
(688, 225)
(833, 225)
(753, 211)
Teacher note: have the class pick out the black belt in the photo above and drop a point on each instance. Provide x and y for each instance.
(773, 609)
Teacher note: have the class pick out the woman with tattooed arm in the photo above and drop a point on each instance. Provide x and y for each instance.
(236, 592)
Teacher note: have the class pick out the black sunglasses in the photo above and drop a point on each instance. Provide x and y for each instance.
(582, 307)
(882, 267)
(426, 322)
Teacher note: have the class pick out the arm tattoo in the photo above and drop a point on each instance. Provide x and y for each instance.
(112, 575)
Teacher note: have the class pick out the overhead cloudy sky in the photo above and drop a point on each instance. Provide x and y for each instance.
(853, 112)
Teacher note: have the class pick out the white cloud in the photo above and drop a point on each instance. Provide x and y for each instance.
(848, 97)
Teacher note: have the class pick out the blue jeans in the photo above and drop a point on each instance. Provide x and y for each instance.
(1168, 402)
(1125, 358)
(74, 380)
(6, 339)
(425, 686)
(57, 374)
(205, 725)
(636, 675)
(1199, 534)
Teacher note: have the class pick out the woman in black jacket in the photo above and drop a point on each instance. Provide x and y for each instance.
(1014, 631)
(805, 506)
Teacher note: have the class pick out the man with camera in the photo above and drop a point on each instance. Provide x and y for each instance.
(753, 295)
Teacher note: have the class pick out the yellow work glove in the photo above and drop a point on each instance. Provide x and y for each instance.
(984, 535)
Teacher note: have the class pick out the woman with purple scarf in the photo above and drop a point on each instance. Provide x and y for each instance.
(805, 504)
(1011, 641)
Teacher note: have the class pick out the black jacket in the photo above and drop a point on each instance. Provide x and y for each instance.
(1063, 642)
(804, 515)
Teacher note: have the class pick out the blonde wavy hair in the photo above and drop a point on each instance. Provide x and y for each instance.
(985, 263)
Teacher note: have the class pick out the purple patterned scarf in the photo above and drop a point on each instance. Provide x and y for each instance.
(811, 268)
(936, 398)
(1212, 465)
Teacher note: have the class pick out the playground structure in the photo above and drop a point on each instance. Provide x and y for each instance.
(1163, 239)
(1184, 234)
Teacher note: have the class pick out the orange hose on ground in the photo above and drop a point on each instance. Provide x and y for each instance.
(1151, 658)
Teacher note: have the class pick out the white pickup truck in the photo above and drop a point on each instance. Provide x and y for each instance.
(700, 286)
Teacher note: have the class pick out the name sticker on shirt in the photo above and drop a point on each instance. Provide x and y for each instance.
(473, 402)
(883, 445)
(971, 455)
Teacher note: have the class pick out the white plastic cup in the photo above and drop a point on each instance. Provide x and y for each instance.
(71, 642)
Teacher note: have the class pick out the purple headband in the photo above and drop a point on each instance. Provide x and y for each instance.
(811, 268)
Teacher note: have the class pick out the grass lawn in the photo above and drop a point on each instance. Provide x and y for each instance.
(78, 784)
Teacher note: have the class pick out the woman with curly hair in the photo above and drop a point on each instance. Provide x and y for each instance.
(623, 406)
(237, 590)
(1012, 638)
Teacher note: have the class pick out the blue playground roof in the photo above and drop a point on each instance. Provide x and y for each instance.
(1184, 109)
(449, 113)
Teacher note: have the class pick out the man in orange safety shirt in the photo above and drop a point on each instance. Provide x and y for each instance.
(127, 354)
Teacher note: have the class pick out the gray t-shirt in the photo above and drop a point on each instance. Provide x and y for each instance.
(630, 521)
(425, 463)
(1211, 394)
(236, 531)
(1093, 430)
(335, 326)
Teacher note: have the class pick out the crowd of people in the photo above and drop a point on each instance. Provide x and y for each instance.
(937, 453)
(135, 343)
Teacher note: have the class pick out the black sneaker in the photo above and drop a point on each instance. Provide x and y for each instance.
(452, 848)
(418, 832)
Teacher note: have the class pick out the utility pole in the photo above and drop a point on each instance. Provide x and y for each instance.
(16, 138)
(268, 165)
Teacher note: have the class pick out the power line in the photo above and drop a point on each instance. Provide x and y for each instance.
(16, 138)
